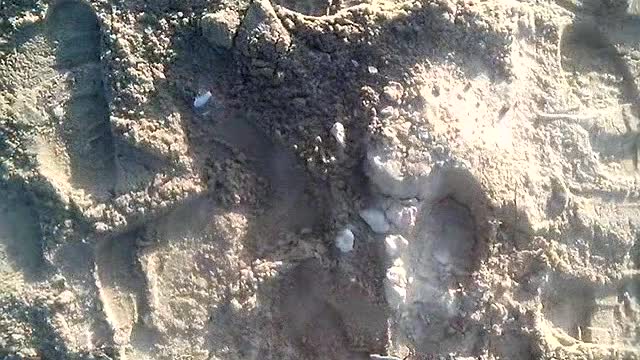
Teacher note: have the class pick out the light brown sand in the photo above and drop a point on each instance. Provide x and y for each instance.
(487, 173)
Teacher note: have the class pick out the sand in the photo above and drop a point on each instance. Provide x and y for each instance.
(319, 180)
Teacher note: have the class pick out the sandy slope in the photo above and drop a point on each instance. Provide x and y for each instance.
(429, 179)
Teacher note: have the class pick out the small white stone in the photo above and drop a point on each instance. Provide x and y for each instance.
(202, 100)
(376, 220)
(423, 135)
(58, 112)
(344, 240)
(101, 227)
(383, 357)
(372, 70)
(235, 305)
(395, 245)
(339, 133)
(396, 284)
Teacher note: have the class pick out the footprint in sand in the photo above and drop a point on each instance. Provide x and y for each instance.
(74, 29)
(120, 287)
(593, 60)
(321, 317)
(20, 239)
(582, 311)
(448, 244)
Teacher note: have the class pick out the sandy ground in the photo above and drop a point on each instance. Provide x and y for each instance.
(308, 179)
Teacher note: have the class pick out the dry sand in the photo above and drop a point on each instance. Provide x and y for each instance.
(306, 179)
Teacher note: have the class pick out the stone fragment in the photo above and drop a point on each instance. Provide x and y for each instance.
(202, 100)
(344, 240)
(339, 133)
(395, 245)
(376, 220)
(395, 283)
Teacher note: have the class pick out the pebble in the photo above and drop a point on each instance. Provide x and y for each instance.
(202, 100)
(387, 175)
(383, 357)
(395, 244)
(101, 227)
(339, 133)
(424, 135)
(372, 70)
(395, 284)
(376, 220)
(58, 112)
(344, 240)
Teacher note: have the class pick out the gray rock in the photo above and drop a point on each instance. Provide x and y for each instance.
(376, 220)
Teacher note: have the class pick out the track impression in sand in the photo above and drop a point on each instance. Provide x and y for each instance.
(435, 265)
(86, 131)
(593, 55)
